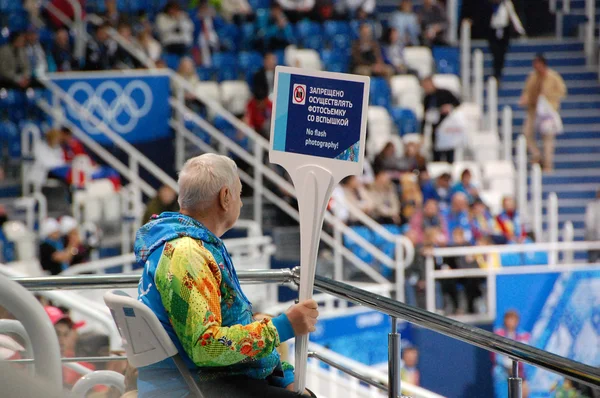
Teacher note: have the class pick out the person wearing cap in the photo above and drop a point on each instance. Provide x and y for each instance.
(35, 53)
(15, 71)
(55, 257)
(72, 238)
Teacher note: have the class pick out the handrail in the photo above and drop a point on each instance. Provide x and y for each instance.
(519, 270)
(465, 59)
(14, 326)
(478, 76)
(492, 104)
(514, 248)
(507, 132)
(536, 199)
(472, 335)
(590, 31)
(94, 266)
(453, 21)
(522, 178)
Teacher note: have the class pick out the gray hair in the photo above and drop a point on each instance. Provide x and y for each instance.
(201, 180)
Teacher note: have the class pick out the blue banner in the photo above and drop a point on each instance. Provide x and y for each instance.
(135, 106)
(318, 116)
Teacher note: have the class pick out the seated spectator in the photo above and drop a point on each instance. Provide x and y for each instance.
(296, 10)
(438, 189)
(356, 194)
(411, 198)
(278, 33)
(393, 51)
(388, 160)
(175, 29)
(206, 23)
(472, 285)
(101, 52)
(429, 217)
(386, 204)
(434, 23)
(112, 14)
(412, 153)
(482, 222)
(55, 257)
(414, 273)
(165, 200)
(409, 372)
(149, 45)
(489, 259)
(66, 331)
(509, 222)
(264, 79)
(237, 11)
(187, 71)
(124, 58)
(457, 216)
(69, 229)
(62, 52)
(406, 22)
(351, 8)
(35, 53)
(367, 58)
(48, 156)
(465, 186)
(258, 114)
(15, 70)
(438, 104)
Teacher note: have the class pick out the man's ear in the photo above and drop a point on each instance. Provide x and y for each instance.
(224, 198)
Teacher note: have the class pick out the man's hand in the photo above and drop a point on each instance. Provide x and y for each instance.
(303, 317)
(446, 109)
(291, 388)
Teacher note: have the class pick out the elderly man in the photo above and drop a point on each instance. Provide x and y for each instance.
(191, 285)
(546, 82)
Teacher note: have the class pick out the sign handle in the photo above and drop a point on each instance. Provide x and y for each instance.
(317, 185)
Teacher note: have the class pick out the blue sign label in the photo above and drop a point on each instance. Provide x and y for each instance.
(135, 107)
(318, 116)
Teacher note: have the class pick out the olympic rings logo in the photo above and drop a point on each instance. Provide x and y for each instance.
(112, 104)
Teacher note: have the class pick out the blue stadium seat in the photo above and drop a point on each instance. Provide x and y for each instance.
(249, 62)
(262, 18)
(248, 34)
(381, 94)
(197, 131)
(333, 28)
(341, 43)
(9, 6)
(172, 60)
(10, 136)
(229, 36)
(18, 20)
(405, 120)
(226, 65)
(447, 60)
(227, 72)
(259, 4)
(308, 28)
(313, 42)
(335, 61)
(361, 253)
(206, 73)
(231, 132)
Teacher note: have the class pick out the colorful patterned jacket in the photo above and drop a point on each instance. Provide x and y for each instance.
(190, 284)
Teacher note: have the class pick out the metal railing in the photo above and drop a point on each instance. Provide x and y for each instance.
(465, 59)
(472, 335)
(591, 42)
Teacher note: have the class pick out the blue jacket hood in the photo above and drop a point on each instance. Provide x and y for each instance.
(166, 227)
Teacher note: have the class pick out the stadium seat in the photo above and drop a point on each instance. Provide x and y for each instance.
(379, 129)
(357, 249)
(492, 199)
(406, 120)
(407, 93)
(335, 61)
(259, 4)
(229, 36)
(307, 28)
(485, 146)
(206, 73)
(448, 82)
(303, 58)
(248, 35)
(459, 167)
(209, 90)
(436, 169)
(341, 43)
(380, 93)
(334, 28)
(172, 60)
(419, 59)
(226, 65)
(231, 132)
(10, 138)
(249, 62)
(447, 60)
(235, 95)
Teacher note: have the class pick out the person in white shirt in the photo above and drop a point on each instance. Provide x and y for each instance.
(175, 29)
(592, 226)
(352, 7)
(503, 17)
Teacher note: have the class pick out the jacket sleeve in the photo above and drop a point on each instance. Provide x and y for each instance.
(188, 280)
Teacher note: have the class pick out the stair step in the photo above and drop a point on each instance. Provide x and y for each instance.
(578, 153)
(521, 75)
(570, 84)
(553, 62)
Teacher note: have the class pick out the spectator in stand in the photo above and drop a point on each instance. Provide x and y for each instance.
(15, 70)
(149, 45)
(296, 10)
(388, 160)
(278, 33)
(411, 198)
(412, 153)
(434, 23)
(482, 222)
(503, 364)
(238, 11)
(386, 204)
(438, 189)
(187, 71)
(124, 59)
(356, 195)
(66, 331)
(65, 7)
(62, 52)
(72, 238)
(175, 29)
(414, 273)
(101, 52)
(264, 79)
(206, 23)
(592, 226)
(55, 257)
(409, 372)
(258, 113)
(352, 8)
(393, 51)
(509, 222)
(35, 53)
(367, 58)
(112, 12)
(165, 200)
(465, 186)
(406, 22)
(48, 156)
(545, 82)
(438, 103)
(429, 217)
(457, 216)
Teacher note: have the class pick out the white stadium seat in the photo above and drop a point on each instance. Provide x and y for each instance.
(459, 167)
(448, 82)
(235, 95)
(209, 90)
(493, 200)
(379, 130)
(436, 169)
(500, 176)
(419, 59)
(407, 93)
(485, 146)
(304, 58)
